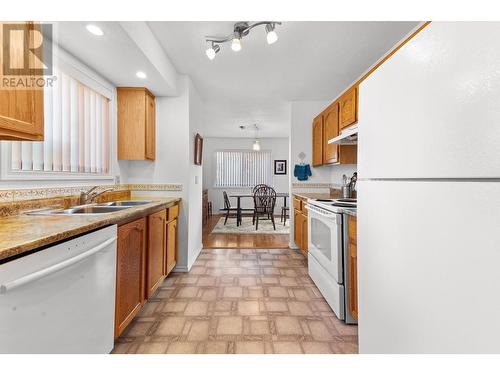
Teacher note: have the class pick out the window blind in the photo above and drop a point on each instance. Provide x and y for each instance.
(243, 168)
(76, 134)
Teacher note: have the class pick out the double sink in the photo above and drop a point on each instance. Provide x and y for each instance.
(92, 209)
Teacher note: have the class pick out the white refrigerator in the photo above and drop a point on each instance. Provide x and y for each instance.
(429, 195)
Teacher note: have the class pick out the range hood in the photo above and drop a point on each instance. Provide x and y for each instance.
(347, 136)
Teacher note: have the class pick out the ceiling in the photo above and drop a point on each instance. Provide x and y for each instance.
(310, 61)
(114, 55)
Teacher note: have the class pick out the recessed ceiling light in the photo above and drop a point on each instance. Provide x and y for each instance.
(96, 30)
(141, 74)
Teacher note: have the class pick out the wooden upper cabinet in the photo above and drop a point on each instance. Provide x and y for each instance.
(136, 124)
(150, 127)
(21, 111)
(130, 270)
(317, 141)
(330, 130)
(349, 107)
(157, 247)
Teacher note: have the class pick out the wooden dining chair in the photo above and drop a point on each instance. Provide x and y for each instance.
(253, 193)
(231, 211)
(264, 199)
(227, 208)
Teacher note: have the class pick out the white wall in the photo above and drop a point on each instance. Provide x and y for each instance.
(177, 120)
(195, 184)
(279, 151)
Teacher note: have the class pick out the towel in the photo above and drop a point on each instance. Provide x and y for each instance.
(302, 172)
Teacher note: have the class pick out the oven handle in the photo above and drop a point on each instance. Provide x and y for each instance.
(4, 288)
(321, 211)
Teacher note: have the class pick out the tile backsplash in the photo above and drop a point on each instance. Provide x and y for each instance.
(16, 195)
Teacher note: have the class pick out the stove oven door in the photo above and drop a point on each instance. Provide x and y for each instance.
(325, 240)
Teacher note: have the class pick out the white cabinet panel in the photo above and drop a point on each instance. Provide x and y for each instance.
(428, 267)
(432, 109)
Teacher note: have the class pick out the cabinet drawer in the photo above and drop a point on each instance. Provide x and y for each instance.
(173, 212)
(297, 204)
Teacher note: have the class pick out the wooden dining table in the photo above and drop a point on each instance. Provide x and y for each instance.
(238, 197)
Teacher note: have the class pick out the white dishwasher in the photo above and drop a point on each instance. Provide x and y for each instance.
(61, 299)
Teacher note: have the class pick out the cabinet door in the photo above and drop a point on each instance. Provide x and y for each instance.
(304, 234)
(353, 269)
(157, 248)
(349, 108)
(330, 130)
(150, 128)
(21, 111)
(297, 228)
(171, 246)
(130, 262)
(317, 141)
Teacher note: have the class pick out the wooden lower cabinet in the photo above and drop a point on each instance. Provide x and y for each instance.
(146, 254)
(171, 254)
(130, 270)
(297, 228)
(157, 244)
(300, 225)
(303, 222)
(353, 268)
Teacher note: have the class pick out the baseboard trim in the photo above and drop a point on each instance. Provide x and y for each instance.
(180, 269)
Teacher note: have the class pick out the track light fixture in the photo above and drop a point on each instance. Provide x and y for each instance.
(241, 29)
(212, 51)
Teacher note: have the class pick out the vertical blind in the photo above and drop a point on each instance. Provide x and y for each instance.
(77, 132)
(243, 168)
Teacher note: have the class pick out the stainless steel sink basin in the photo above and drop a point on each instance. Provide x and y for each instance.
(124, 203)
(81, 210)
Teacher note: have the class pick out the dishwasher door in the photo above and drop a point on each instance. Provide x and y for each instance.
(61, 299)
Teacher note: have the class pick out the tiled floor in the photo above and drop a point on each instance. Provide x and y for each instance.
(239, 301)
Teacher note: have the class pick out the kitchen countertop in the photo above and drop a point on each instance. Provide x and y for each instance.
(22, 233)
(317, 195)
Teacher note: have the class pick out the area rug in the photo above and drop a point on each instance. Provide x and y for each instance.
(246, 227)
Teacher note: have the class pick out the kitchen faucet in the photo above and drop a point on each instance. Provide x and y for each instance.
(90, 195)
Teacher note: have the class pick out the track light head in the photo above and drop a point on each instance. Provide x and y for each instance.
(271, 35)
(212, 51)
(236, 43)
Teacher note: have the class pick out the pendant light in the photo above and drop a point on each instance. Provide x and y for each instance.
(256, 143)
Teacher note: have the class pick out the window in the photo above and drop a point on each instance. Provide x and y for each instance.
(77, 132)
(243, 168)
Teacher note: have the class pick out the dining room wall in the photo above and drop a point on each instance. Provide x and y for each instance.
(279, 151)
